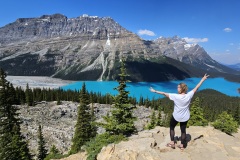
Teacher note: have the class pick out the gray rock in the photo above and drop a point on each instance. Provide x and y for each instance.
(58, 122)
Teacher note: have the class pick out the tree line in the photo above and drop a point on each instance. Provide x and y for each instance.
(211, 101)
(32, 96)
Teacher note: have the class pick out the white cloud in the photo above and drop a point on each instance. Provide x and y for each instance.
(227, 29)
(195, 40)
(146, 32)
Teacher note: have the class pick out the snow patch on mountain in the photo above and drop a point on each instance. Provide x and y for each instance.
(41, 52)
(65, 48)
(108, 41)
(85, 45)
(104, 65)
(220, 70)
(187, 46)
(209, 65)
(12, 56)
(95, 65)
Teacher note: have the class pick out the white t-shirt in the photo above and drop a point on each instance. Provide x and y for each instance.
(181, 111)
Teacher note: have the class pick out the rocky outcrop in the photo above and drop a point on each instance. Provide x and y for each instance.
(203, 143)
(58, 122)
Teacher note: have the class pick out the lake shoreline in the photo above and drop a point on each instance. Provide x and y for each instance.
(37, 81)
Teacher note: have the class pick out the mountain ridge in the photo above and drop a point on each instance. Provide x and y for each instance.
(90, 48)
(234, 66)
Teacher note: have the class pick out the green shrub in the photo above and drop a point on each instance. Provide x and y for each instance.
(94, 146)
(226, 123)
(55, 154)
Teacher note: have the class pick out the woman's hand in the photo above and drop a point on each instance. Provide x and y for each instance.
(200, 83)
(205, 77)
(152, 90)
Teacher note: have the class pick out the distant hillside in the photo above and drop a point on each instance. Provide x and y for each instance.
(234, 66)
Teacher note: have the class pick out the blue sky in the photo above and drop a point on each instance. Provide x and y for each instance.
(213, 24)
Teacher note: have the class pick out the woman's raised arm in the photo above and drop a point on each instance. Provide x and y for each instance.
(200, 83)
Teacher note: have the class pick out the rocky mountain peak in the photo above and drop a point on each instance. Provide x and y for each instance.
(54, 16)
(177, 48)
(58, 25)
(43, 18)
(171, 39)
(74, 48)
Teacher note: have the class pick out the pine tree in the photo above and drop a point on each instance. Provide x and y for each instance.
(54, 152)
(42, 151)
(58, 101)
(196, 112)
(12, 94)
(19, 146)
(121, 120)
(83, 127)
(29, 96)
(237, 114)
(12, 143)
(93, 119)
(159, 117)
(58, 97)
(152, 123)
(140, 101)
(22, 96)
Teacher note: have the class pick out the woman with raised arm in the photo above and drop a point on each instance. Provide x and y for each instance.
(181, 111)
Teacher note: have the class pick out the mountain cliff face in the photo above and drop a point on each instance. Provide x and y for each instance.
(89, 48)
(192, 54)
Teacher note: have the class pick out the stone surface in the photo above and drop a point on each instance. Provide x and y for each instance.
(58, 122)
(203, 143)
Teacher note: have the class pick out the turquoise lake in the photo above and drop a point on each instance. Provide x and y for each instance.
(142, 88)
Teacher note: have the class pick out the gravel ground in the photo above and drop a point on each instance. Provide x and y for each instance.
(37, 82)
